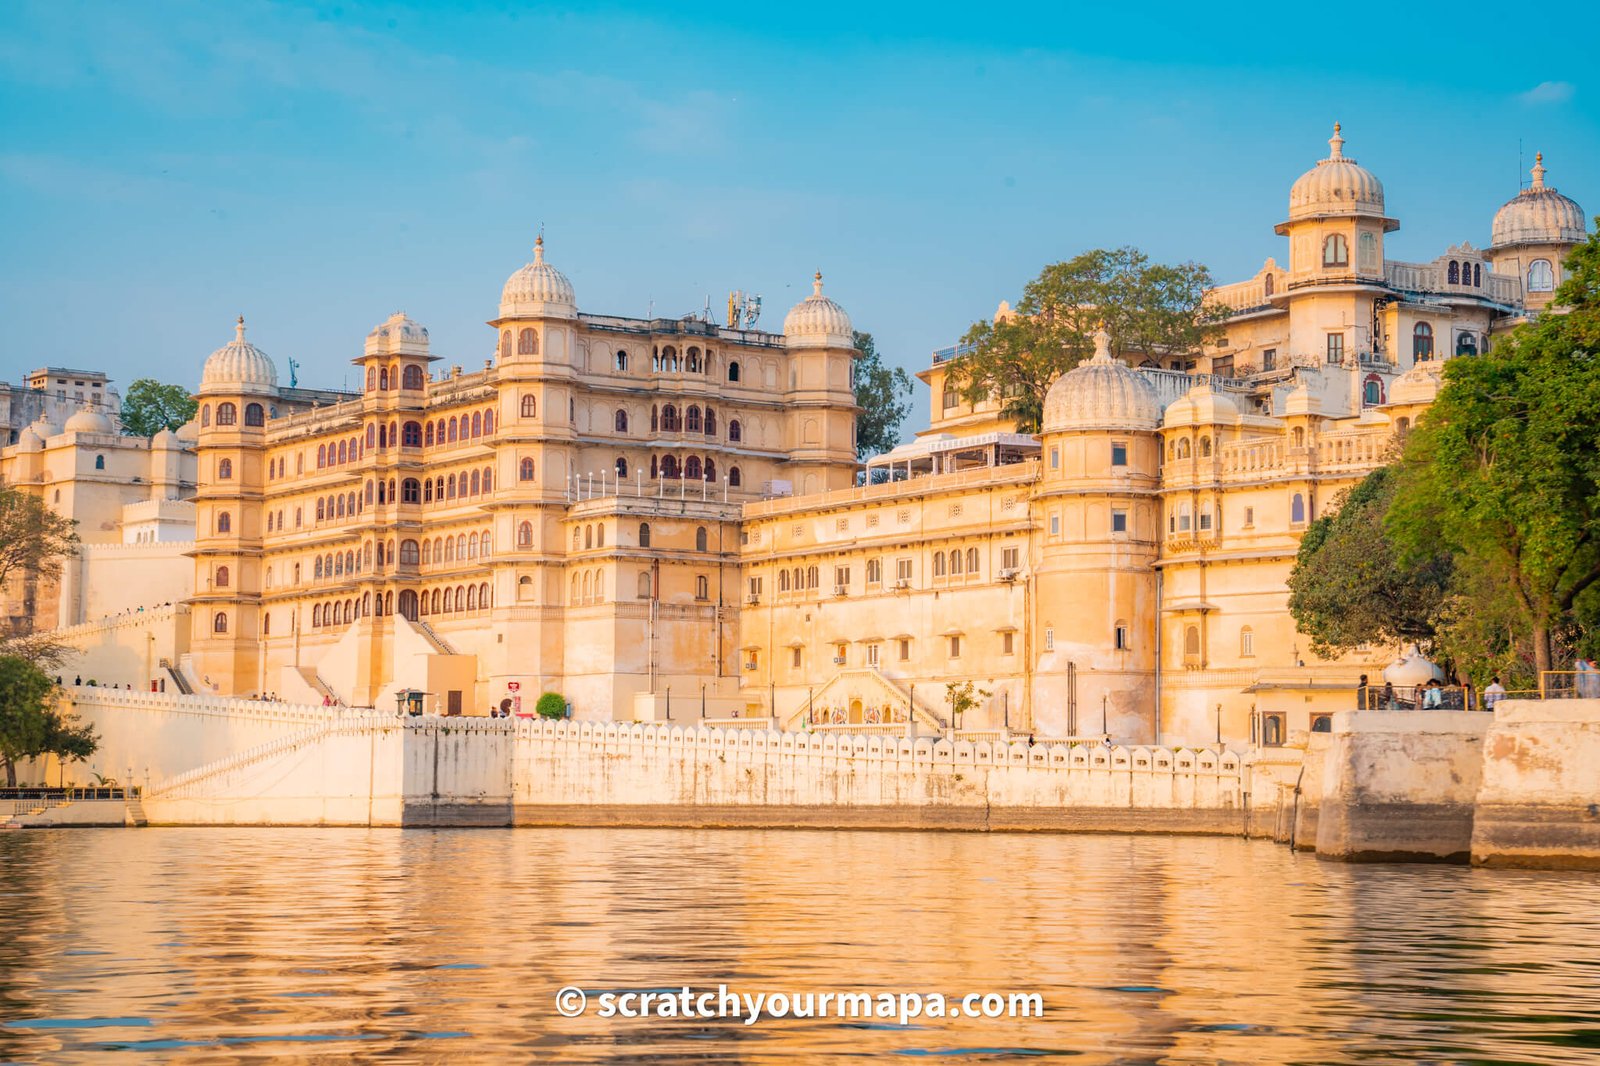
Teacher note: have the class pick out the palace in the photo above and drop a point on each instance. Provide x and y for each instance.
(625, 510)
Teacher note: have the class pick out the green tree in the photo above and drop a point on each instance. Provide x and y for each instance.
(551, 705)
(963, 696)
(33, 541)
(29, 724)
(1348, 586)
(1504, 469)
(1150, 309)
(884, 395)
(149, 407)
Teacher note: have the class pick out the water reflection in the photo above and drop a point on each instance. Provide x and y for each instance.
(421, 945)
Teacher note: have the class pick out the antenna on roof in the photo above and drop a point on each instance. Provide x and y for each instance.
(294, 379)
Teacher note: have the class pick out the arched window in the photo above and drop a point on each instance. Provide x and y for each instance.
(1205, 447)
(670, 420)
(1297, 510)
(733, 371)
(951, 398)
(224, 468)
(472, 597)
(411, 435)
(254, 415)
(1372, 391)
(1541, 278)
(412, 377)
(1183, 448)
(219, 622)
(1336, 251)
(488, 479)
(428, 435)
(700, 538)
(938, 564)
(1477, 274)
(621, 421)
(227, 414)
(339, 505)
(222, 577)
(622, 467)
(525, 535)
(451, 429)
(100, 462)
(409, 552)
(711, 470)
(644, 585)
(783, 581)
(525, 470)
(1299, 436)
(955, 563)
(383, 379)
(321, 509)
(1191, 641)
(527, 343)
(644, 534)
(477, 423)
(1453, 273)
(1467, 344)
(735, 431)
(655, 469)
(588, 537)
(505, 344)
(622, 360)
(530, 406)
(734, 478)
(655, 418)
(344, 454)
(372, 378)
(1247, 643)
(972, 560)
(224, 522)
(266, 619)
(476, 483)
(1421, 342)
(691, 468)
(711, 422)
(691, 421)
(205, 415)
(1402, 425)
(811, 577)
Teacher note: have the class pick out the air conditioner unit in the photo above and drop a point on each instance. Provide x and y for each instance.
(902, 584)
(841, 590)
(1008, 574)
(838, 660)
(750, 665)
(752, 600)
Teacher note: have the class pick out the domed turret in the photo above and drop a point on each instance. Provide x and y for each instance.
(1337, 187)
(28, 440)
(538, 290)
(44, 429)
(1538, 215)
(398, 334)
(89, 421)
(237, 367)
(1101, 394)
(818, 322)
(1201, 406)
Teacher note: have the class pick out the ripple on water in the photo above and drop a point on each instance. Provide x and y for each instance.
(438, 944)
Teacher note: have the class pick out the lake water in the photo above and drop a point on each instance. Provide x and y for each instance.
(422, 945)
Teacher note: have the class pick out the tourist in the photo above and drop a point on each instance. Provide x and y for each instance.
(1030, 740)
(1433, 695)
(1361, 693)
(1588, 680)
(1493, 694)
(1388, 695)
(78, 680)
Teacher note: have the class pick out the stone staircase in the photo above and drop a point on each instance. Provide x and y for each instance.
(135, 804)
(440, 644)
(318, 685)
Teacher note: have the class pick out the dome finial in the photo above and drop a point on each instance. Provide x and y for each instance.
(816, 284)
(238, 329)
(538, 248)
(1336, 144)
(1102, 344)
(1538, 170)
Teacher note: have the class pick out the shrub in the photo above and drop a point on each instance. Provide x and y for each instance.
(551, 705)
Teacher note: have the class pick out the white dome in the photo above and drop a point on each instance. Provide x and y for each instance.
(28, 440)
(398, 334)
(89, 421)
(538, 290)
(44, 429)
(238, 366)
(1101, 394)
(818, 322)
(1420, 384)
(164, 438)
(1539, 215)
(1201, 406)
(1411, 669)
(1336, 186)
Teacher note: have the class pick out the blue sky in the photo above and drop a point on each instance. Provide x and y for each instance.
(166, 166)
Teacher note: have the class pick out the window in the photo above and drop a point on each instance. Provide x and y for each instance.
(1055, 525)
(412, 435)
(530, 406)
(525, 470)
(1049, 639)
(620, 421)
(622, 360)
(735, 431)
(1008, 558)
(1247, 643)
(254, 415)
(222, 577)
(1368, 244)
(205, 415)
(938, 564)
(905, 648)
(1453, 274)
(1119, 521)
(1008, 643)
(872, 655)
(1372, 391)
(1191, 641)
(1272, 729)
(621, 467)
(702, 589)
(1421, 342)
(505, 345)
(219, 622)
(955, 647)
(412, 377)
(1120, 636)
(1119, 453)
(1249, 517)
(1203, 517)
(733, 371)
(1336, 251)
(691, 419)
(874, 571)
(1467, 344)
(1541, 278)
(100, 462)
(644, 534)
(972, 561)
(227, 414)
(902, 570)
(525, 535)
(1336, 347)
(1269, 358)
(224, 522)
(1055, 458)
(841, 577)
(1297, 510)
(950, 398)
(527, 343)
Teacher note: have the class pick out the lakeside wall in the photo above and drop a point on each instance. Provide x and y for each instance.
(1516, 787)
